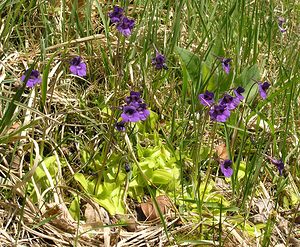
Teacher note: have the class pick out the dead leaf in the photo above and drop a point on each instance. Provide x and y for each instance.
(151, 213)
(15, 126)
(263, 208)
(293, 242)
(297, 220)
(78, 3)
(131, 224)
(2, 73)
(91, 214)
(258, 219)
(221, 151)
(165, 203)
(62, 218)
(52, 209)
(283, 226)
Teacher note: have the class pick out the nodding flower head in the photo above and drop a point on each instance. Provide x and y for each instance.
(279, 164)
(262, 88)
(207, 98)
(120, 126)
(143, 111)
(159, 61)
(127, 167)
(130, 114)
(225, 64)
(125, 26)
(229, 102)
(281, 22)
(33, 79)
(238, 93)
(134, 98)
(116, 15)
(226, 168)
(78, 67)
(219, 113)
(135, 108)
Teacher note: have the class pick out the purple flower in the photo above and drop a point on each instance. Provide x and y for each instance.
(281, 21)
(135, 108)
(159, 61)
(219, 113)
(120, 126)
(225, 64)
(78, 67)
(125, 26)
(143, 111)
(207, 98)
(130, 114)
(226, 168)
(33, 79)
(262, 88)
(127, 167)
(229, 102)
(134, 98)
(116, 15)
(279, 164)
(238, 93)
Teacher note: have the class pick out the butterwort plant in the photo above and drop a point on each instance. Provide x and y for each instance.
(33, 78)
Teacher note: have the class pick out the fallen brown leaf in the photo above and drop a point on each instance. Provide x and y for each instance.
(129, 220)
(221, 151)
(62, 218)
(151, 213)
(297, 220)
(15, 126)
(91, 214)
